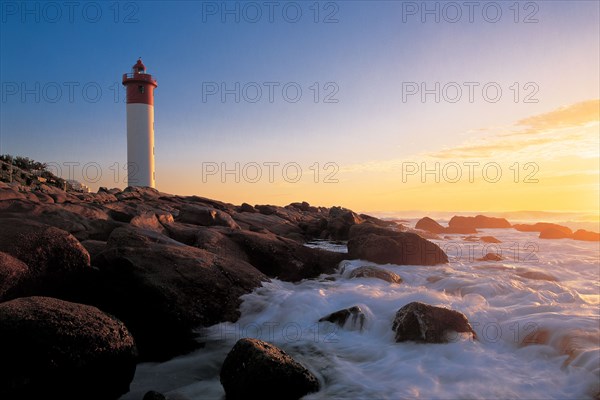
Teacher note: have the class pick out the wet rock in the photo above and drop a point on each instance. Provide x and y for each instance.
(257, 369)
(56, 349)
(541, 226)
(152, 395)
(429, 225)
(587, 236)
(374, 272)
(554, 233)
(424, 323)
(537, 275)
(480, 221)
(489, 239)
(339, 223)
(282, 258)
(383, 246)
(354, 316)
(491, 257)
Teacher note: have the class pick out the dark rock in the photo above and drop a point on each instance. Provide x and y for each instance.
(163, 290)
(541, 226)
(377, 221)
(57, 264)
(340, 221)
(148, 221)
(9, 194)
(480, 221)
(56, 349)
(12, 273)
(282, 258)
(13, 228)
(429, 225)
(256, 369)
(491, 257)
(536, 275)
(52, 251)
(272, 223)
(94, 248)
(588, 236)
(421, 322)
(554, 233)
(489, 239)
(341, 317)
(304, 206)
(215, 240)
(152, 395)
(245, 207)
(266, 209)
(383, 246)
(374, 272)
(205, 216)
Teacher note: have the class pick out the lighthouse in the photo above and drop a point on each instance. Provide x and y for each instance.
(140, 126)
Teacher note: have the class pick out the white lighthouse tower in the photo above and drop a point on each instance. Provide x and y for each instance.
(140, 126)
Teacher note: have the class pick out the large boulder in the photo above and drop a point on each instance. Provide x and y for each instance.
(489, 239)
(588, 236)
(353, 318)
(56, 349)
(491, 257)
(424, 323)
(52, 251)
(148, 221)
(282, 258)
(255, 369)
(458, 224)
(429, 225)
(12, 273)
(542, 226)
(383, 246)
(163, 290)
(378, 273)
(554, 233)
(205, 216)
(58, 265)
(13, 228)
(339, 223)
(272, 222)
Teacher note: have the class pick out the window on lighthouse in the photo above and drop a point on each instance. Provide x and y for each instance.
(141, 89)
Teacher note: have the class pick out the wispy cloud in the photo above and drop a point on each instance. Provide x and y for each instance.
(569, 131)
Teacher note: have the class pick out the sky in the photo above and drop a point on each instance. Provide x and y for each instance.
(378, 106)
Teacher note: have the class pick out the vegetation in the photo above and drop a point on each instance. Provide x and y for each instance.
(27, 172)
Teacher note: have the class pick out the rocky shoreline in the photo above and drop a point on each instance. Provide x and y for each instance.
(93, 283)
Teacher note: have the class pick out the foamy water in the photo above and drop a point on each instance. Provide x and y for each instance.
(536, 314)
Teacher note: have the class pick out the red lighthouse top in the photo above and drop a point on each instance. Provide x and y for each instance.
(140, 85)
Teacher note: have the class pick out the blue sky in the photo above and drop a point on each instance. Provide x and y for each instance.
(365, 57)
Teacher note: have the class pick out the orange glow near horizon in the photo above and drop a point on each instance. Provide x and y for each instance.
(546, 162)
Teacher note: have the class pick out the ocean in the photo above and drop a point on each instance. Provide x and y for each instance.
(536, 315)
